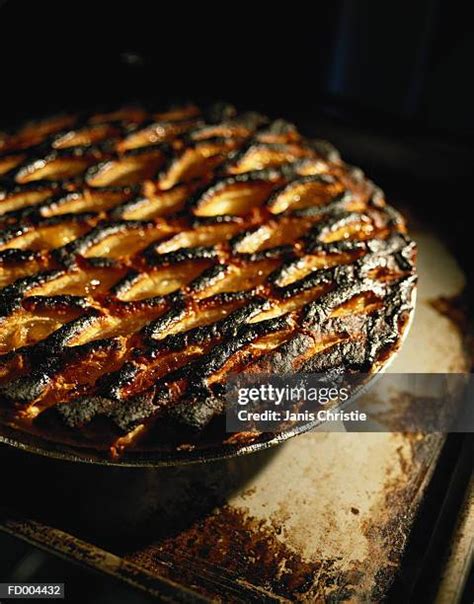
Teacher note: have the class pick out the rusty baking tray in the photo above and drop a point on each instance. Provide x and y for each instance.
(166, 570)
(229, 555)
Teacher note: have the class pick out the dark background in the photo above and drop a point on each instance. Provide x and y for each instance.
(408, 62)
(389, 83)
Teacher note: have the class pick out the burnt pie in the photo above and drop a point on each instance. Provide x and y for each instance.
(145, 255)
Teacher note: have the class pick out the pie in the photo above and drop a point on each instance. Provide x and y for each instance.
(146, 255)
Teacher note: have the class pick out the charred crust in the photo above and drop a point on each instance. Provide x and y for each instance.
(272, 253)
(60, 302)
(153, 258)
(208, 277)
(14, 256)
(138, 409)
(28, 388)
(175, 313)
(122, 286)
(198, 221)
(12, 295)
(82, 410)
(11, 232)
(198, 410)
(59, 339)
